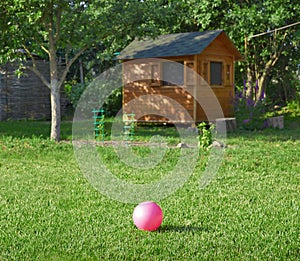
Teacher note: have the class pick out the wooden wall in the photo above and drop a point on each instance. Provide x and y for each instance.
(25, 97)
(217, 51)
(163, 103)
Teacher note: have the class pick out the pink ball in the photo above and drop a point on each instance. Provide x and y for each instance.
(147, 216)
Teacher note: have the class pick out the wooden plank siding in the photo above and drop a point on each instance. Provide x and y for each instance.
(218, 52)
(177, 94)
(26, 97)
(137, 83)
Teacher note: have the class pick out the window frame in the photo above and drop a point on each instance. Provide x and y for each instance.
(187, 78)
(165, 83)
(155, 82)
(228, 74)
(222, 84)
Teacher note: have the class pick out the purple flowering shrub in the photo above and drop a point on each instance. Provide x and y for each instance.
(250, 114)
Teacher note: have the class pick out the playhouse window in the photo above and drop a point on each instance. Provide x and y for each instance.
(216, 73)
(173, 74)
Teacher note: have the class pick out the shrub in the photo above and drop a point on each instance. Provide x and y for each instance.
(112, 104)
(73, 91)
(205, 134)
(248, 112)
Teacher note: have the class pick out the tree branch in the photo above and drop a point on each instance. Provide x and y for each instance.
(38, 74)
(275, 57)
(57, 24)
(30, 55)
(45, 50)
(34, 68)
(68, 65)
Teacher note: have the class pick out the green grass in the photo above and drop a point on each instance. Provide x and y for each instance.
(48, 211)
(28, 129)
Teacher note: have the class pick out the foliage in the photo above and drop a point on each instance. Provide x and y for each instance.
(291, 110)
(205, 134)
(285, 87)
(73, 91)
(252, 115)
(293, 107)
(265, 55)
(249, 114)
(113, 103)
(43, 29)
(62, 31)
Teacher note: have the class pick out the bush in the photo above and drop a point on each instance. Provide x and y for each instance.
(205, 134)
(248, 112)
(111, 105)
(73, 91)
(250, 115)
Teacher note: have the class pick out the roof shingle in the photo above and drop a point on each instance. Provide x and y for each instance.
(169, 45)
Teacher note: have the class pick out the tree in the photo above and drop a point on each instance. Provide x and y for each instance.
(284, 85)
(51, 28)
(44, 27)
(243, 21)
(266, 31)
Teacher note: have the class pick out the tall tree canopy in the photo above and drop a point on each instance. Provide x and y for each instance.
(243, 21)
(63, 30)
(267, 32)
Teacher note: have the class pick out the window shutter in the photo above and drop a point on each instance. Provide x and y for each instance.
(155, 74)
(205, 71)
(189, 74)
(228, 74)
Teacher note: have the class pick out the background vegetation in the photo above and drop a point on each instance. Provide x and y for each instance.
(85, 36)
(48, 211)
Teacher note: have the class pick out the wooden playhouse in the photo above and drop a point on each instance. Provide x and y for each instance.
(210, 54)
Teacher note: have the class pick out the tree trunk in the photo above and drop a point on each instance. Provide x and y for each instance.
(261, 87)
(81, 71)
(249, 85)
(55, 110)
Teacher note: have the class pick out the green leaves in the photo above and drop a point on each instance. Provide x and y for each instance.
(205, 134)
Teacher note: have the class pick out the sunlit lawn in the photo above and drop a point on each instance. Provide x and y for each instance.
(49, 211)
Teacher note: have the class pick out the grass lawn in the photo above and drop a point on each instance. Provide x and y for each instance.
(49, 211)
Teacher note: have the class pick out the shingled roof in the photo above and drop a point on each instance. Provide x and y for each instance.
(179, 44)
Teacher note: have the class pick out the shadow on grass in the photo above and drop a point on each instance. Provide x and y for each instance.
(268, 135)
(29, 129)
(181, 229)
(291, 131)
